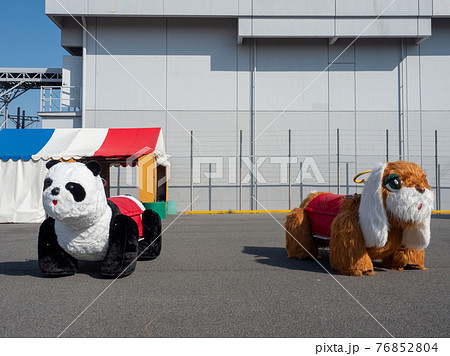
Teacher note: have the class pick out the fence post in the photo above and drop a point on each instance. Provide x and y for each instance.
(240, 170)
(387, 145)
(192, 170)
(338, 163)
(256, 186)
(210, 187)
(436, 166)
(289, 168)
(347, 190)
(439, 187)
(301, 181)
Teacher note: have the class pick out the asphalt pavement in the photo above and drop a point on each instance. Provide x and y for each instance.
(222, 276)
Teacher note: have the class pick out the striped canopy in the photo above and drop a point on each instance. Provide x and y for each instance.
(79, 143)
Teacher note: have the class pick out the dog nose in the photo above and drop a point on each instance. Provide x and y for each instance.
(55, 191)
(420, 189)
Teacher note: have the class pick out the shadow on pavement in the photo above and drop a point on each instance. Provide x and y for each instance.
(277, 257)
(31, 268)
(21, 268)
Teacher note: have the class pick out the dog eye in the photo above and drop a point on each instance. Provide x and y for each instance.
(392, 182)
(47, 183)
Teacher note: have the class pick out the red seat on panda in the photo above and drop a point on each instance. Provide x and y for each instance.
(131, 207)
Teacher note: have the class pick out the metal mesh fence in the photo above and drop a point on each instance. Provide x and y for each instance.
(225, 176)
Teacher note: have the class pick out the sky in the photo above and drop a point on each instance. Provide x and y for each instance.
(29, 39)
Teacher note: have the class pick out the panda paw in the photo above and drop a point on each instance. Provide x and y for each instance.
(53, 260)
(150, 246)
(121, 257)
(116, 269)
(58, 267)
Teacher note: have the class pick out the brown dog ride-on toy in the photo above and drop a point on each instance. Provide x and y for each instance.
(390, 221)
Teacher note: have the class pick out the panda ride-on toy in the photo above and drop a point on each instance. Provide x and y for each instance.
(84, 225)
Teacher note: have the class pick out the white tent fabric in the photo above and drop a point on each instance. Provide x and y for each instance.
(160, 151)
(72, 143)
(21, 178)
(19, 204)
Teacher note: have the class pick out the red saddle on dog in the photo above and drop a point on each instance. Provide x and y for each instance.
(321, 212)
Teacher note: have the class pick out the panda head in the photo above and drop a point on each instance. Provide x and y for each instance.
(73, 193)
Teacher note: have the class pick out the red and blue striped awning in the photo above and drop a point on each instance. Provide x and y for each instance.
(79, 143)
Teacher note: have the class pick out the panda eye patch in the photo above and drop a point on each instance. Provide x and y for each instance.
(392, 182)
(47, 183)
(76, 190)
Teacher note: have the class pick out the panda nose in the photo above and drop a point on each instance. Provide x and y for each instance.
(55, 191)
(420, 190)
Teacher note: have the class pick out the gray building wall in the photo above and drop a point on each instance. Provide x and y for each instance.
(215, 84)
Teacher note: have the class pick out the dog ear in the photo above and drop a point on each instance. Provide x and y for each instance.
(372, 215)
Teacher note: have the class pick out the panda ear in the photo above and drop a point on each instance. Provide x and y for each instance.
(95, 167)
(51, 163)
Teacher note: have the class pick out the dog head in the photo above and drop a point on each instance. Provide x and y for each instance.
(396, 194)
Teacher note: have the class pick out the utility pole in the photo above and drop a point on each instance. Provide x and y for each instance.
(18, 118)
(23, 119)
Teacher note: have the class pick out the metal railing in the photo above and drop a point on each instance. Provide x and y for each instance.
(292, 165)
(60, 99)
